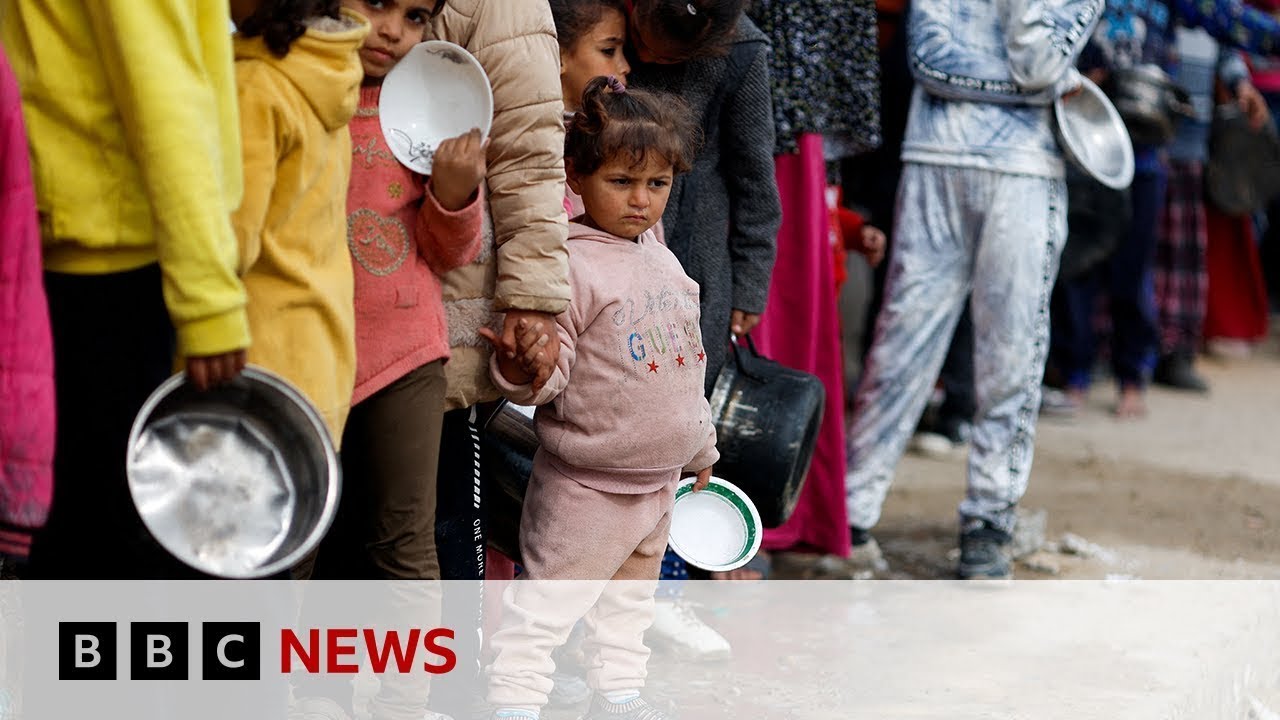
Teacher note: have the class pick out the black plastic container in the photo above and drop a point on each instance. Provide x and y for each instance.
(767, 419)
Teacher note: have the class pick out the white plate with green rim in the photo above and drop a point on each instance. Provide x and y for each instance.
(716, 529)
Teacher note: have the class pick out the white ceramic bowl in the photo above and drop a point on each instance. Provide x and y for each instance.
(716, 529)
(1094, 137)
(437, 91)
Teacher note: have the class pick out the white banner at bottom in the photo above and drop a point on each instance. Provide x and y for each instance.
(387, 651)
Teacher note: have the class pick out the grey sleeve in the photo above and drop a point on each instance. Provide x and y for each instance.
(755, 211)
(1042, 41)
(1231, 67)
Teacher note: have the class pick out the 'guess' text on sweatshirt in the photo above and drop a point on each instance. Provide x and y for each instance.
(624, 409)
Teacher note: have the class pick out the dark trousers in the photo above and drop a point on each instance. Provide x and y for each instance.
(113, 344)
(385, 525)
(461, 539)
(1126, 278)
(1270, 249)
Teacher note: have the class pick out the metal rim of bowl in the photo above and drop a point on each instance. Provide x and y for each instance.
(295, 396)
(1059, 108)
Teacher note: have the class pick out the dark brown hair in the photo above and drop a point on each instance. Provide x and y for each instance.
(615, 121)
(705, 32)
(280, 22)
(575, 18)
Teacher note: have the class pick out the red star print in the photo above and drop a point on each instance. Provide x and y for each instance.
(653, 367)
(702, 356)
(680, 360)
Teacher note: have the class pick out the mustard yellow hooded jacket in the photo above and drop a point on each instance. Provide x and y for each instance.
(292, 223)
(131, 119)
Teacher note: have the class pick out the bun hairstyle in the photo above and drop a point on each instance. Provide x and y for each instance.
(614, 121)
(575, 18)
(694, 28)
(280, 22)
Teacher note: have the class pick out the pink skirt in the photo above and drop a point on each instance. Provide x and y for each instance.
(801, 329)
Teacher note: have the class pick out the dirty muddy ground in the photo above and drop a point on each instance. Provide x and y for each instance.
(1190, 492)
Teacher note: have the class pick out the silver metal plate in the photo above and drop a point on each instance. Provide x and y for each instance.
(213, 490)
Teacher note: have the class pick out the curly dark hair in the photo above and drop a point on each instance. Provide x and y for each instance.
(614, 120)
(280, 22)
(706, 32)
(574, 18)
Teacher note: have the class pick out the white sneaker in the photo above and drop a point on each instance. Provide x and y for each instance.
(932, 445)
(679, 630)
(317, 708)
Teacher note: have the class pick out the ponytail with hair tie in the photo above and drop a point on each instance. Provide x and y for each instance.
(616, 85)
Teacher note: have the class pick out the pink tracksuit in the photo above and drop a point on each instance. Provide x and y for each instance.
(621, 419)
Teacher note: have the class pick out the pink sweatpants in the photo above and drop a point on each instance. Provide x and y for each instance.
(610, 545)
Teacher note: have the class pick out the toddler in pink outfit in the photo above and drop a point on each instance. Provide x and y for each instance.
(621, 419)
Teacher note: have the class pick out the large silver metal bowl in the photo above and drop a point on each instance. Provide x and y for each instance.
(241, 481)
(1093, 136)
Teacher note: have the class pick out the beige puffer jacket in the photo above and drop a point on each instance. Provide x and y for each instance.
(515, 41)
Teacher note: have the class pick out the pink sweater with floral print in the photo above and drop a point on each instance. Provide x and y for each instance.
(401, 240)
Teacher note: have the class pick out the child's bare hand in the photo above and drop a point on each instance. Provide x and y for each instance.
(512, 371)
(872, 245)
(742, 322)
(704, 479)
(457, 167)
(211, 371)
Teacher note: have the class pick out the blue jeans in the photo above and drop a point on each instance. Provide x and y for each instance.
(1127, 280)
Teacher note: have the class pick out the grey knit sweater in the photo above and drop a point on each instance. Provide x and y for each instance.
(722, 218)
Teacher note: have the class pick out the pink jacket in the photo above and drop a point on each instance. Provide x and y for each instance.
(401, 241)
(626, 408)
(26, 347)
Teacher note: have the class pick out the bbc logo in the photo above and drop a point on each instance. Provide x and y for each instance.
(159, 651)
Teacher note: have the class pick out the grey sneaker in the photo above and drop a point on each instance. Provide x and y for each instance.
(639, 709)
(567, 690)
(983, 552)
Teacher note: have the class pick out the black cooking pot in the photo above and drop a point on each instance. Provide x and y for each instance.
(767, 419)
(1149, 101)
(1243, 172)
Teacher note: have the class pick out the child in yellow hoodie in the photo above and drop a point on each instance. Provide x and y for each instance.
(130, 111)
(298, 74)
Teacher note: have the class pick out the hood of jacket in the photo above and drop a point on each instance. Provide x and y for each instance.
(324, 64)
(580, 232)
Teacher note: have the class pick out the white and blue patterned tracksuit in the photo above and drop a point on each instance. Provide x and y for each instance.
(981, 210)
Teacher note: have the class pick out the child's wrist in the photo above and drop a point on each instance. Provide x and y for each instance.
(450, 199)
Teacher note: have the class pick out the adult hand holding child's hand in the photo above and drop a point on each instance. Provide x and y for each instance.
(522, 352)
(523, 332)
(457, 167)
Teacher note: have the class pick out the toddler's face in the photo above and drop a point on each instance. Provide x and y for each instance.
(596, 53)
(398, 25)
(624, 200)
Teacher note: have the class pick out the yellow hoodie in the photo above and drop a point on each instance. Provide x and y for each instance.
(131, 118)
(292, 224)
